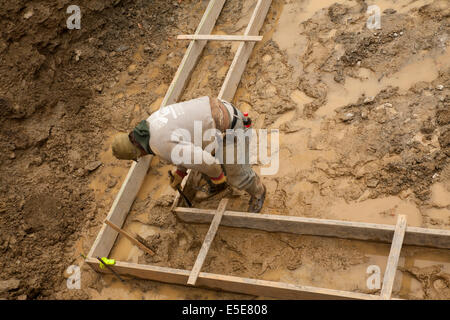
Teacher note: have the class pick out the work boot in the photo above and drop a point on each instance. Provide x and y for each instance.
(209, 190)
(258, 195)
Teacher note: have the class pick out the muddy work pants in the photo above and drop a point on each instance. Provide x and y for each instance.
(239, 171)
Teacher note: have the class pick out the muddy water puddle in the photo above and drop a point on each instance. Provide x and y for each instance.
(423, 67)
(381, 210)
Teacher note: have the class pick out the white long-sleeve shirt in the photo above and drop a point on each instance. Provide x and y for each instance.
(172, 136)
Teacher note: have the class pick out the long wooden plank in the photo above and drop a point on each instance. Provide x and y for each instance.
(207, 242)
(278, 290)
(244, 51)
(129, 237)
(394, 255)
(129, 189)
(415, 236)
(218, 37)
(255, 287)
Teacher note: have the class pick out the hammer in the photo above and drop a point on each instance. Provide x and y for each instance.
(180, 191)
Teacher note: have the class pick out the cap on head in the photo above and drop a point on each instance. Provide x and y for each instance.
(123, 148)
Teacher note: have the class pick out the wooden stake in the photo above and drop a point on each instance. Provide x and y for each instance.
(129, 237)
(218, 37)
(394, 255)
(207, 242)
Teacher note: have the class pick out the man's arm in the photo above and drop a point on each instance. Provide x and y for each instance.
(187, 156)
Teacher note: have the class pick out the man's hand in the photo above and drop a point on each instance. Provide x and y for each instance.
(176, 178)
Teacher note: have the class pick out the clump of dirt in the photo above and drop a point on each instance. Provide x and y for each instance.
(160, 216)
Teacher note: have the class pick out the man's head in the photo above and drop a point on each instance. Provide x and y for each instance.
(124, 149)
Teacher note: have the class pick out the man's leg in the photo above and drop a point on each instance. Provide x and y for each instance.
(243, 177)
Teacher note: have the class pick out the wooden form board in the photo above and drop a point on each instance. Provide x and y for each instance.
(129, 189)
(394, 255)
(218, 37)
(243, 52)
(207, 242)
(230, 283)
(264, 287)
(415, 236)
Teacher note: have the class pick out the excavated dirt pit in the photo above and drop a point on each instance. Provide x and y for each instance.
(364, 136)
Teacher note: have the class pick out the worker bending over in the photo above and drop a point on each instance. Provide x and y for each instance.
(171, 134)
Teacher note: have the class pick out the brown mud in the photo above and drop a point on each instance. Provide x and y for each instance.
(364, 136)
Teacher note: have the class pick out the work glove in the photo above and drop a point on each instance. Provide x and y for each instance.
(219, 180)
(176, 178)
